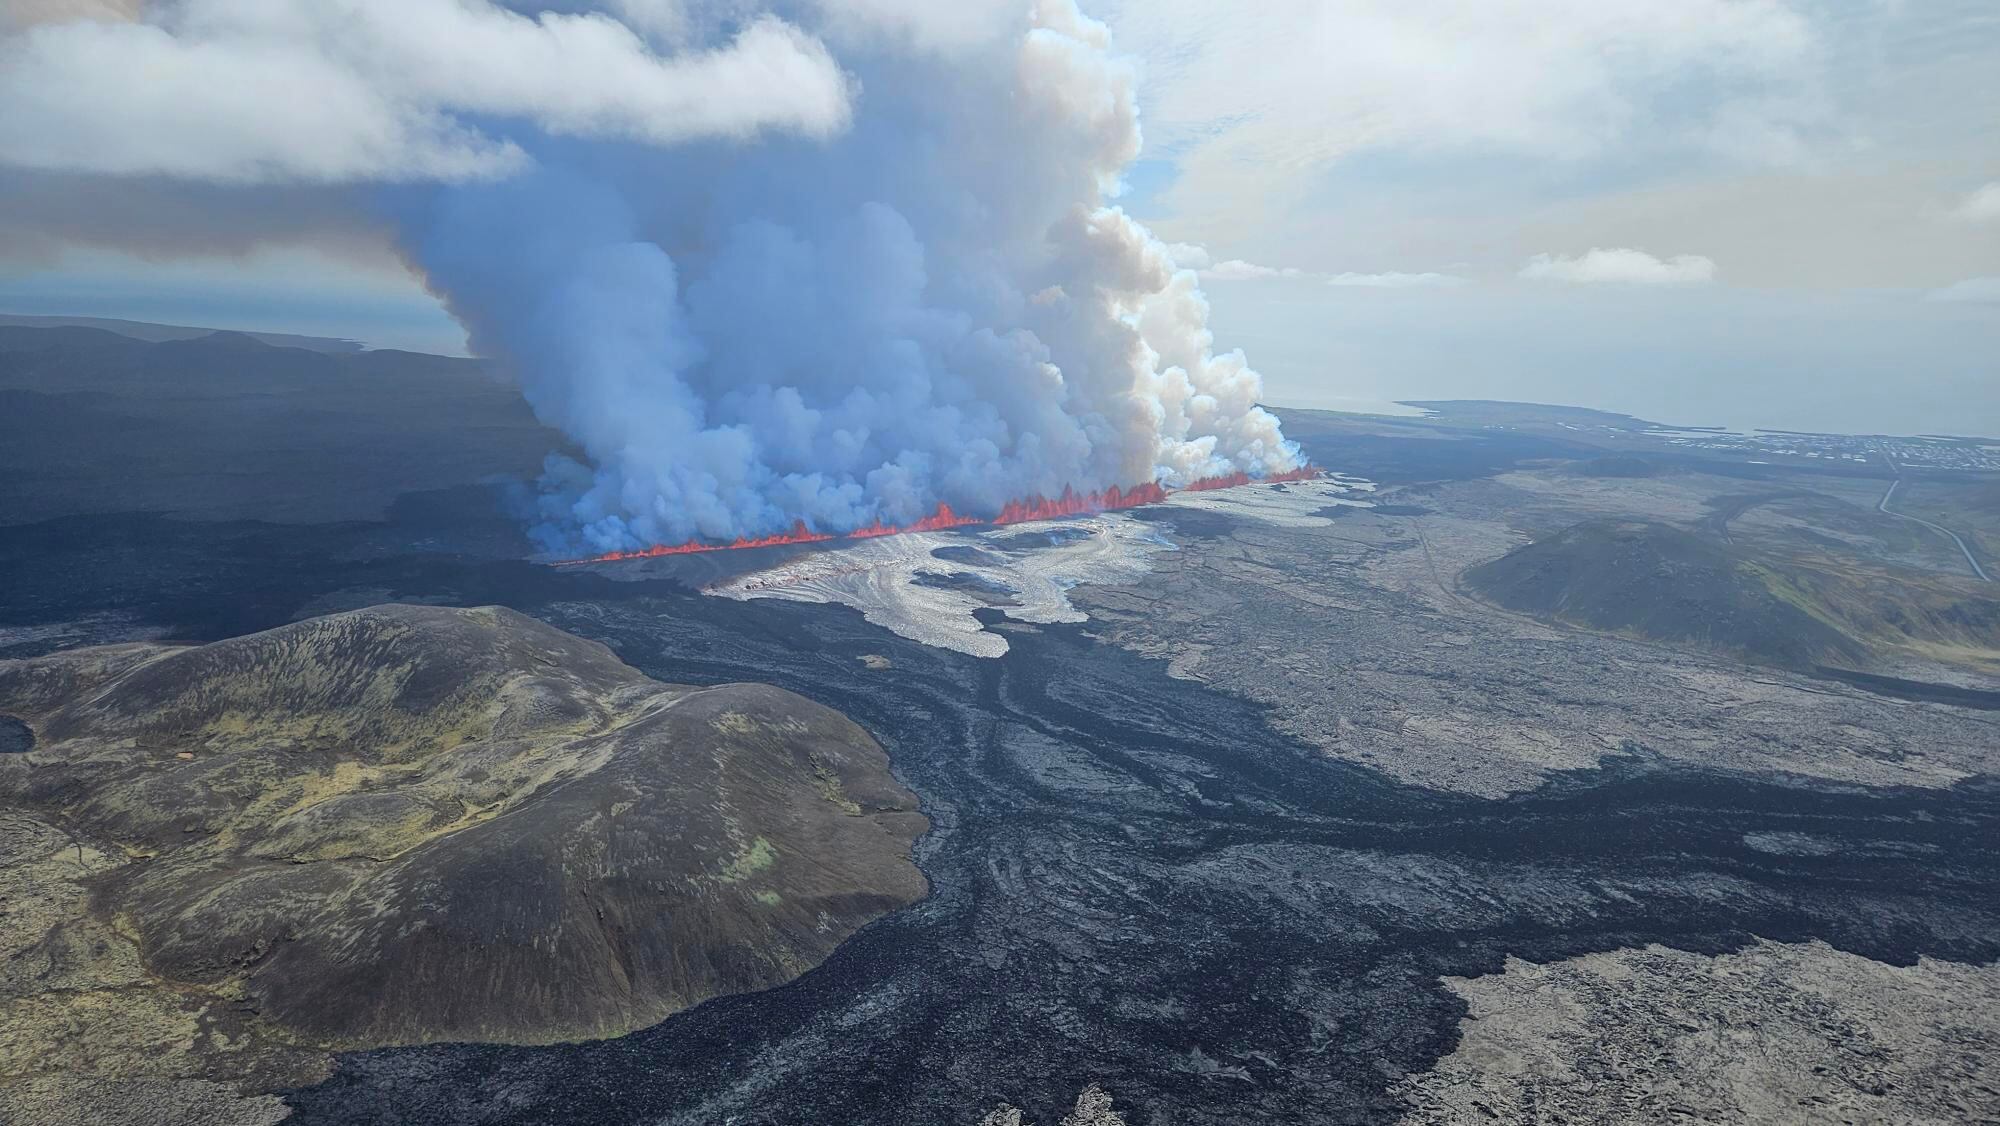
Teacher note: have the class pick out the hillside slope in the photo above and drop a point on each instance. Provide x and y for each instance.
(408, 824)
(1664, 583)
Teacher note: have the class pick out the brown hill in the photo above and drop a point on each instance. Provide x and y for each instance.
(1664, 583)
(408, 824)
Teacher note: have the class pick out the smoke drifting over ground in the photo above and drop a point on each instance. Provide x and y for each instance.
(891, 279)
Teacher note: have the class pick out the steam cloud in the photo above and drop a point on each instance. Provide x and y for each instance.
(893, 282)
(934, 306)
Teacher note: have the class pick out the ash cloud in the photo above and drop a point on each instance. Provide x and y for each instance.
(903, 286)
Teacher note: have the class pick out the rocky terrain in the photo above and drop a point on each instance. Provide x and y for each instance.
(1362, 639)
(1241, 835)
(1138, 883)
(1093, 1108)
(407, 824)
(1774, 1033)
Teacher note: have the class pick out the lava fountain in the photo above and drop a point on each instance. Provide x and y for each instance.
(1070, 503)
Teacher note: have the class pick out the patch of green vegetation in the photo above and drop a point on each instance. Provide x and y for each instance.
(1785, 590)
(828, 785)
(770, 898)
(748, 862)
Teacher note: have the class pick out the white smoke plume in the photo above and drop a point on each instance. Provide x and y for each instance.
(892, 276)
(935, 307)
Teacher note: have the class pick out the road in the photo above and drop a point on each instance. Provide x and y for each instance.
(1970, 561)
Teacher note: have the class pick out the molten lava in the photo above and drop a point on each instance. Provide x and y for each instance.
(799, 534)
(1070, 503)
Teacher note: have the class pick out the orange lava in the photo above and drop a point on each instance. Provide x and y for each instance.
(1070, 503)
(799, 534)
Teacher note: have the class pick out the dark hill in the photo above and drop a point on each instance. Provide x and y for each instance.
(1664, 583)
(409, 824)
(229, 426)
(148, 331)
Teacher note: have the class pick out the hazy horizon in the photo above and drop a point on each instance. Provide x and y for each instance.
(1777, 213)
(1705, 398)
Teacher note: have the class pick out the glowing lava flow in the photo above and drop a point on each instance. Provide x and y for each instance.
(1070, 503)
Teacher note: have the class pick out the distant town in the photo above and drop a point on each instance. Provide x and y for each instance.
(1975, 455)
(1861, 453)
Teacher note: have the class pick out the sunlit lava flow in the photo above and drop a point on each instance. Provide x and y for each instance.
(1070, 503)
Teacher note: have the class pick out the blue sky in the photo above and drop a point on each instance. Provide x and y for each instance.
(1761, 212)
(1820, 169)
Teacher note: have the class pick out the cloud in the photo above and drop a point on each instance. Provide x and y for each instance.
(1189, 256)
(933, 25)
(1394, 280)
(48, 213)
(1237, 269)
(1812, 142)
(1257, 98)
(298, 91)
(1979, 291)
(1193, 256)
(1623, 266)
(1982, 206)
(663, 21)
